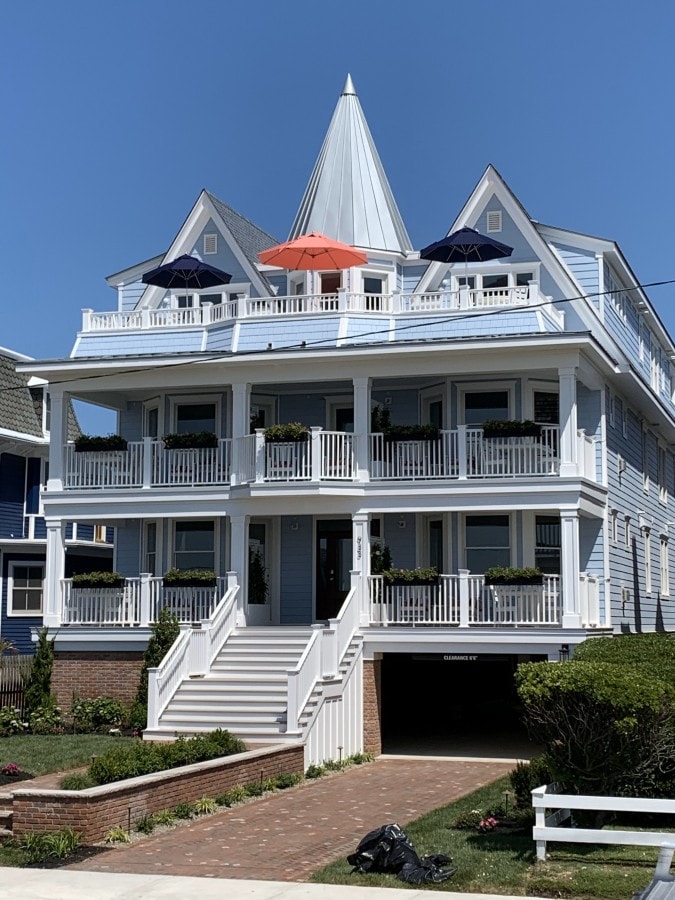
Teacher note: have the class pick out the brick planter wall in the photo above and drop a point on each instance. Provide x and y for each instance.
(94, 811)
(88, 674)
(372, 706)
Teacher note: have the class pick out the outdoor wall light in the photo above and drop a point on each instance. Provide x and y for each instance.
(294, 525)
(564, 652)
(401, 522)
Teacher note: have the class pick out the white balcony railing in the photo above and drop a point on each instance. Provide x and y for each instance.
(309, 304)
(465, 600)
(462, 453)
(138, 602)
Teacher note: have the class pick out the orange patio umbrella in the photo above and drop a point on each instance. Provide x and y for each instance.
(312, 251)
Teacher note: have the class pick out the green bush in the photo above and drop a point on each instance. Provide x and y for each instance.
(76, 781)
(315, 771)
(184, 811)
(287, 781)
(513, 575)
(139, 758)
(190, 578)
(190, 440)
(289, 431)
(49, 845)
(653, 652)
(99, 443)
(39, 683)
(254, 789)
(164, 632)
(11, 722)
(146, 824)
(97, 714)
(529, 775)
(46, 719)
(605, 729)
(234, 795)
(205, 806)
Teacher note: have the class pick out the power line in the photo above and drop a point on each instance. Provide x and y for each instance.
(304, 345)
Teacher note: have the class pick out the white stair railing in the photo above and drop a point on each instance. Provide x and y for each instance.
(191, 653)
(322, 656)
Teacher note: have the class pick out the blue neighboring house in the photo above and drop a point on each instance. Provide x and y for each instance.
(301, 637)
(24, 461)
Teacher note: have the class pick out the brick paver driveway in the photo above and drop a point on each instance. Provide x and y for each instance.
(288, 835)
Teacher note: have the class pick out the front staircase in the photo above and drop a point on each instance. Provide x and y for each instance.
(246, 689)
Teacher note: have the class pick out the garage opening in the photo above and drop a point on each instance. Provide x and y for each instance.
(453, 704)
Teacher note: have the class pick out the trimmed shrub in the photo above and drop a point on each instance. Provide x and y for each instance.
(46, 719)
(76, 781)
(96, 443)
(653, 652)
(39, 683)
(98, 579)
(605, 729)
(529, 775)
(191, 440)
(11, 722)
(139, 758)
(97, 714)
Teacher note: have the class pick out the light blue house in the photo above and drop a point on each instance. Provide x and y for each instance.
(559, 333)
(24, 452)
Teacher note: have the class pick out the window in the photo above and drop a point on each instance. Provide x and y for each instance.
(488, 542)
(331, 282)
(436, 544)
(152, 421)
(648, 560)
(546, 407)
(547, 544)
(150, 548)
(665, 571)
(614, 526)
(628, 538)
(194, 545)
(100, 534)
(298, 288)
(373, 284)
(24, 589)
(195, 417)
(663, 484)
(213, 299)
(524, 278)
(493, 282)
(482, 405)
(645, 461)
(210, 243)
(494, 220)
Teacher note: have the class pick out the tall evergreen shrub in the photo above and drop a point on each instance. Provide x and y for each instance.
(164, 632)
(39, 684)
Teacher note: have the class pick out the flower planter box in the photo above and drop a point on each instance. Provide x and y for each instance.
(410, 577)
(493, 429)
(410, 434)
(88, 443)
(513, 576)
(181, 580)
(290, 433)
(415, 582)
(97, 580)
(191, 441)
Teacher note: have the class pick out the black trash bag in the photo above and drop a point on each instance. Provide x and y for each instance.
(388, 849)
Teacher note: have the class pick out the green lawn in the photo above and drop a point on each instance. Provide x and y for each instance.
(41, 754)
(504, 863)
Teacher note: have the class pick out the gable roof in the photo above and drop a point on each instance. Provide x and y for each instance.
(251, 239)
(348, 197)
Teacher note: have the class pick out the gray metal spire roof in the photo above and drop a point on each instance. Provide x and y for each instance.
(348, 197)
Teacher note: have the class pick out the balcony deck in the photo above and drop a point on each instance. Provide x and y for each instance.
(328, 456)
(245, 307)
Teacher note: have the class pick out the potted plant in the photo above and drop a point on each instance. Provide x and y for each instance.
(98, 580)
(258, 589)
(494, 428)
(290, 432)
(380, 423)
(411, 577)
(190, 578)
(513, 575)
(191, 440)
(380, 558)
(97, 443)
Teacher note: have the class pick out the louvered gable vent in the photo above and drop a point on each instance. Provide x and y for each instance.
(210, 243)
(494, 220)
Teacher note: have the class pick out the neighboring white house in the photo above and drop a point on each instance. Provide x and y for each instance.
(559, 333)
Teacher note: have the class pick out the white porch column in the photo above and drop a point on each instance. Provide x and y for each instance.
(361, 560)
(569, 551)
(568, 421)
(58, 436)
(241, 425)
(362, 427)
(239, 561)
(54, 572)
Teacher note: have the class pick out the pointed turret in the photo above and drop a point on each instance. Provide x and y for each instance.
(348, 197)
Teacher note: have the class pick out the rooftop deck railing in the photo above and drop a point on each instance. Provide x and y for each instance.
(246, 307)
(461, 453)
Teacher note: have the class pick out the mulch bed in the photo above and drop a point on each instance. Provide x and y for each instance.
(11, 780)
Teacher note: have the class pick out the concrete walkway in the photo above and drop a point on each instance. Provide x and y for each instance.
(288, 835)
(41, 884)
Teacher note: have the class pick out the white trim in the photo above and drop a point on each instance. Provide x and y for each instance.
(28, 614)
(333, 404)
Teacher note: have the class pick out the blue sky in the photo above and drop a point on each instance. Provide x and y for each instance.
(116, 115)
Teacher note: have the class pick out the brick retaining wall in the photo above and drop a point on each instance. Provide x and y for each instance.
(94, 811)
(372, 706)
(90, 674)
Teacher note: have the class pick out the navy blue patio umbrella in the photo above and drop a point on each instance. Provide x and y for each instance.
(465, 245)
(186, 272)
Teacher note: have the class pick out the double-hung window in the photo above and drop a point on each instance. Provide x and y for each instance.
(488, 542)
(194, 545)
(25, 589)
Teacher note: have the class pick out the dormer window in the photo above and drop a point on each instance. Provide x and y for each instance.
(373, 284)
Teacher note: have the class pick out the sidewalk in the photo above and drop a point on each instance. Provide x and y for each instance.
(288, 835)
(50, 884)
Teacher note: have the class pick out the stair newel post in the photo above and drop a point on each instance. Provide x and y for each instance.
(198, 661)
(292, 711)
(329, 650)
(153, 699)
